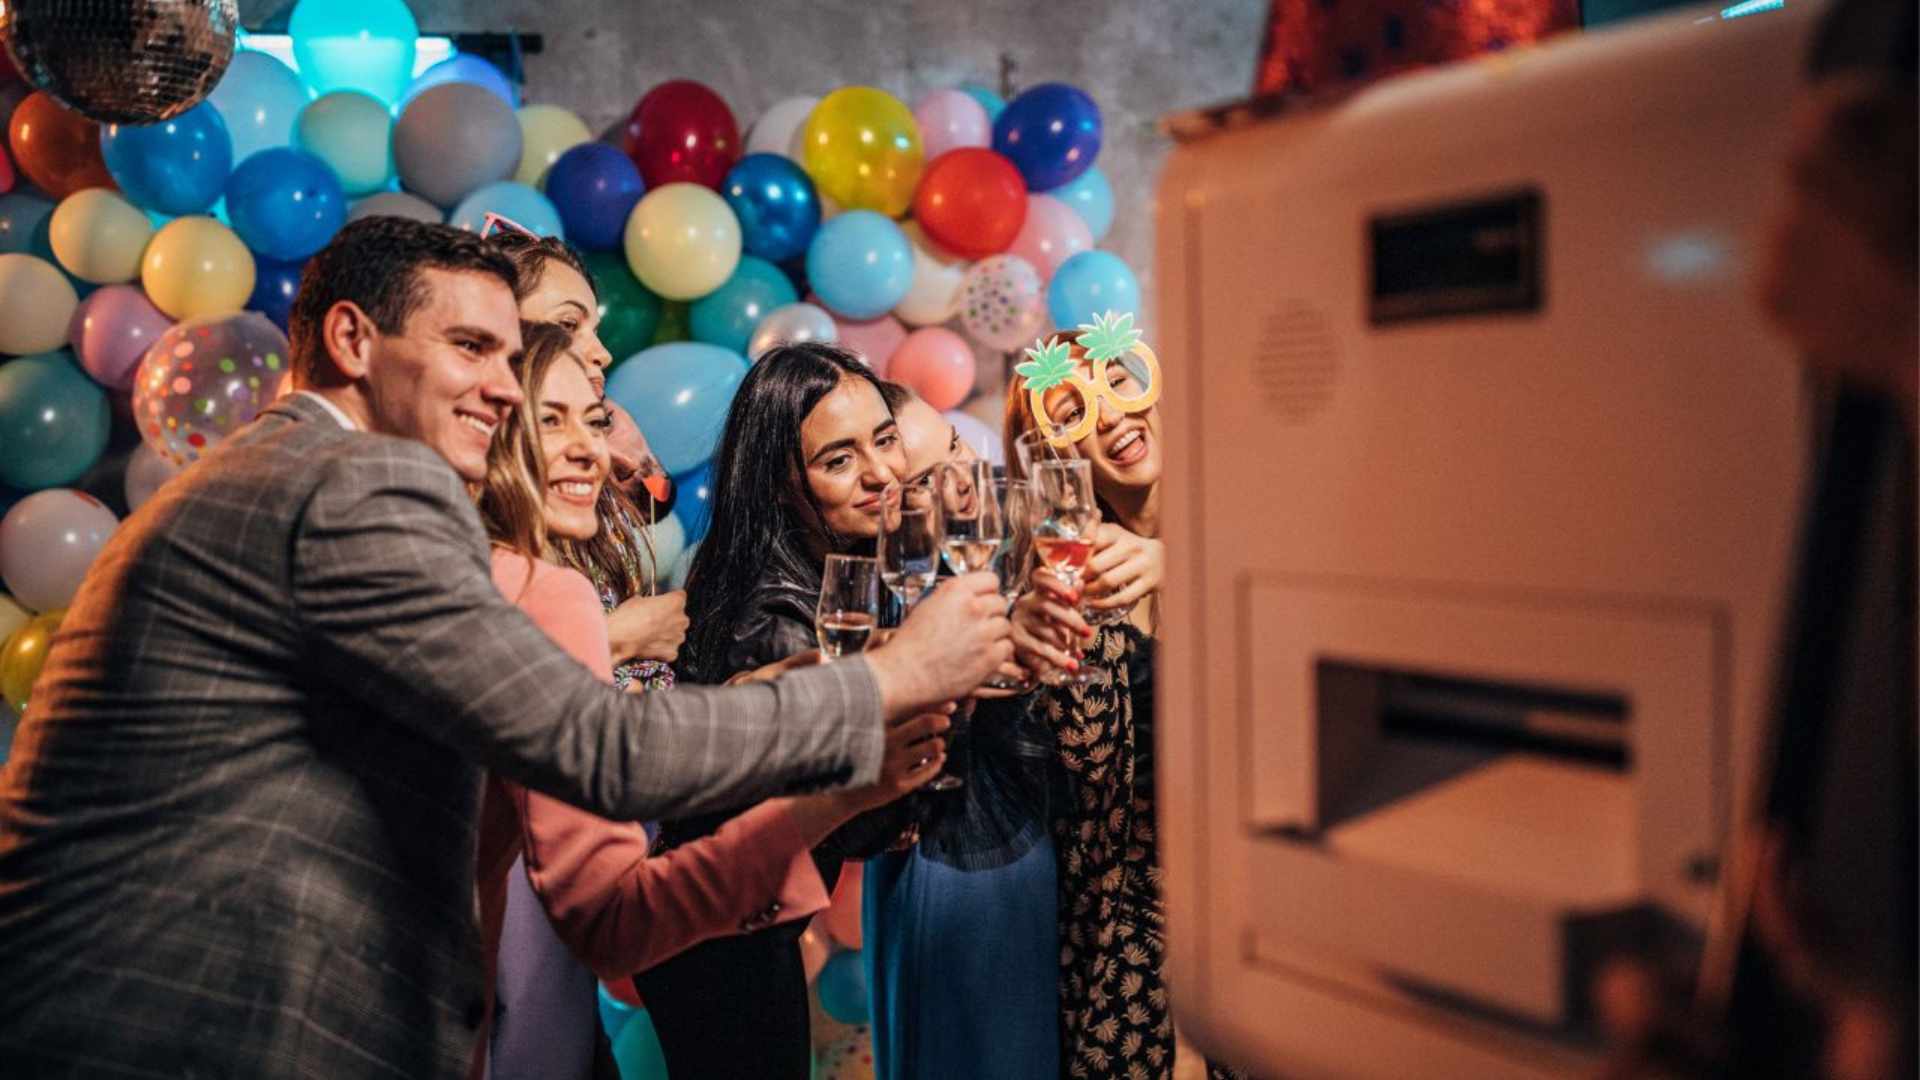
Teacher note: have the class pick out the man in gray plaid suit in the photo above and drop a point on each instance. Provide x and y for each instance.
(237, 830)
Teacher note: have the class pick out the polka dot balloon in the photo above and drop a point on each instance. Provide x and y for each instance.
(1002, 304)
(205, 379)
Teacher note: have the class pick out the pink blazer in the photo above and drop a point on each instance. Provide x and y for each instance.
(617, 909)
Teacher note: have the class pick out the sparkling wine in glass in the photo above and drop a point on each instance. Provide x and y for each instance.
(910, 540)
(1066, 516)
(972, 517)
(1016, 556)
(849, 606)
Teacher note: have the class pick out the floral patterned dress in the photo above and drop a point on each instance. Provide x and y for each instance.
(1115, 1020)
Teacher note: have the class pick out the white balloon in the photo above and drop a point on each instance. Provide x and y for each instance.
(47, 541)
(937, 279)
(146, 471)
(790, 324)
(669, 539)
(678, 579)
(778, 129)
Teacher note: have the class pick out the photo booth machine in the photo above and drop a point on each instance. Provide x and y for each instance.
(1482, 495)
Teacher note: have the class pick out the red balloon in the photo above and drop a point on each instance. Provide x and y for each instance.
(57, 148)
(971, 201)
(6, 174)
(682, 132)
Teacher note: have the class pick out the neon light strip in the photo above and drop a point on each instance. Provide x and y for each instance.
(427, 51)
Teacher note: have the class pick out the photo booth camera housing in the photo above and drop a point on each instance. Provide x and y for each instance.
(1482, 493)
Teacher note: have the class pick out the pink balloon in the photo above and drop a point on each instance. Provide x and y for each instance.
(950, 119)
(1052, 235)
(111, 330)
(875, 340)
(937, 364)
(842, 917)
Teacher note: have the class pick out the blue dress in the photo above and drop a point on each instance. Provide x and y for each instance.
(962, 929)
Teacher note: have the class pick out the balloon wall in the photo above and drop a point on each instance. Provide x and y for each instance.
(147, 271)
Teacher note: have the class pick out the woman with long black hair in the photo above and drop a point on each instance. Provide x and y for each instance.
(801, 472)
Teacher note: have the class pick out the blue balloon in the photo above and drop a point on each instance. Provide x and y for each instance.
(274, 286)
(285, 203)
(678, 395)
(595, 187)
(1088, 284)
(843, 988)
(990, 101)
(726, 316)
(21, 217)
(467, 68)
(260, 98)
(693, 502)
(860, 264)
(1051, 133)
(54, 421)
(776, 204)
(1091, 197)
(517, 203)
(177, 166)
(365, 45)
(614, 1014)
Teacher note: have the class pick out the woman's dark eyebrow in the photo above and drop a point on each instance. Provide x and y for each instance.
(837, 444)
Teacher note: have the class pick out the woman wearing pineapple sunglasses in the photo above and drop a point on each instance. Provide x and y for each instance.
(1093, 398)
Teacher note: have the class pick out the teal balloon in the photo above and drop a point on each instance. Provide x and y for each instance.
(615, 1014)
(678, 395)
(353, 133)
(54, 421)
(629, 312)
(860, 264)
(365, 45)
(988, 100)
(1090, 196)
(637, 1051)
(843, 988)
(517, 203)
(727, 316)
(1089, 284)
(21, 216)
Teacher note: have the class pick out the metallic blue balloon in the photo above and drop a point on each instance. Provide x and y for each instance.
(285, 203)
(595, 187)
(274, 286)
(176, 166)
(678, 395)
(693, 501)
(778, 209)
(54, 421)
(1051, 133)
(727, 316)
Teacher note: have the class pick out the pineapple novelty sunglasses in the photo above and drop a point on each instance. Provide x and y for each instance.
(1107, 339)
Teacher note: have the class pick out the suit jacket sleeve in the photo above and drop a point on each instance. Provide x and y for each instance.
(392, 586)
(615, 907)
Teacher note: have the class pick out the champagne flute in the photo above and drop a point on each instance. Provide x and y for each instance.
(973, 519)
(1037, 446)
(1066, 516)
(908, 546)
(849, 605)
(1016, 554)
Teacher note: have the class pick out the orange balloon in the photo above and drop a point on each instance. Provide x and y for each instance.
(57, 148)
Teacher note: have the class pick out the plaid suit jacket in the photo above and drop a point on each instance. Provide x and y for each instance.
(237, 829)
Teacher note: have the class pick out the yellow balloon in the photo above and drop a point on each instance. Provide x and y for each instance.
(682, 241)
(862, 148)
(196, 266)
(99, 236)
(24, 654)
(36, 303)
(12, 616)
(546, 132)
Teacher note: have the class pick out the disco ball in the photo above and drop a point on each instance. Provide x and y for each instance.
(122, 61)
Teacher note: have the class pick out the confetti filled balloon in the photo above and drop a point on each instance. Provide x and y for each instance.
(204, 380)
(126, 63)
(1002, 304)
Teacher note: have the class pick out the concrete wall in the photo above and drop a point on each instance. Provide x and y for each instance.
(1140, 59)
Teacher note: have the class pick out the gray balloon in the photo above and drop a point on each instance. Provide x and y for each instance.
(452, 139)
(396, 204)
(791, 324)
